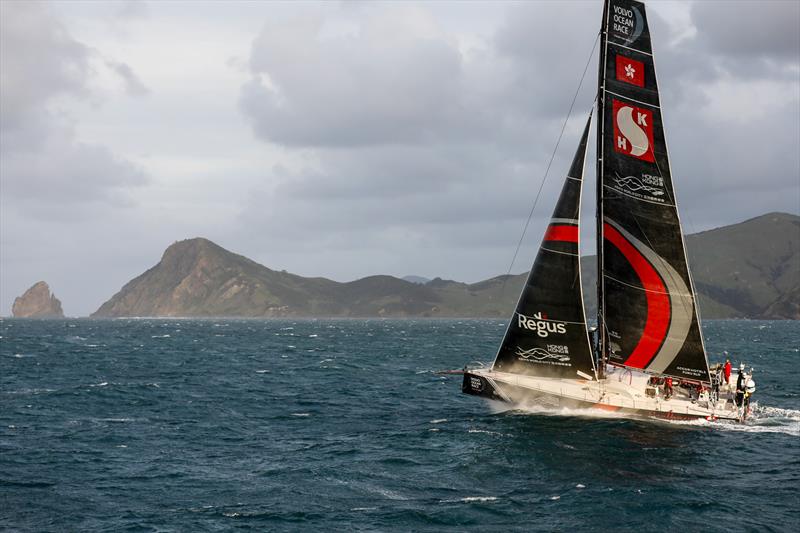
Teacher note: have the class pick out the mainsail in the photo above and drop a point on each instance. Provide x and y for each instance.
(647, 309)
(547, 335)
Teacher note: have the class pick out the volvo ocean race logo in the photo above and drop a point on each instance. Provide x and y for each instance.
(539, 324)
(626, 23)
(633, 131)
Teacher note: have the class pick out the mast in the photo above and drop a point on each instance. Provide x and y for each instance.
(647, 307)
(601, 335)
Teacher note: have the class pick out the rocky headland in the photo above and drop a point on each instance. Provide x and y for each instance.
(745, 270)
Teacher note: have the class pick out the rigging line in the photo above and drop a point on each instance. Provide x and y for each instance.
(552, 156)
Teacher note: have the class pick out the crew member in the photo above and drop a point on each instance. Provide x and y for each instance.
(749, 389)
(740, 386)
(668, 388)
(727, 371)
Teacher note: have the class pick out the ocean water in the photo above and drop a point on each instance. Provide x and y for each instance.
(344, 425)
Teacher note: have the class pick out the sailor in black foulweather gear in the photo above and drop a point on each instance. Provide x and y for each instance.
(741, 382)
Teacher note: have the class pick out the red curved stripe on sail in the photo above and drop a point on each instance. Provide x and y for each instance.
(658, 307)
(561, 233)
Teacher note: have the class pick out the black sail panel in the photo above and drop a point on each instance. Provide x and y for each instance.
(648, 309)
(547, 335)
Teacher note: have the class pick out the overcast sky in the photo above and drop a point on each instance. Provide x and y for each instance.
(355, 138)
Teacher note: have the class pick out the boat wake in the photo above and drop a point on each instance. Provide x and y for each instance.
(762, 419)
(545, 410)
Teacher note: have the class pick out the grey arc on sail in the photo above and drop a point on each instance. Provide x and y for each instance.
(547, 336)
(647, 308)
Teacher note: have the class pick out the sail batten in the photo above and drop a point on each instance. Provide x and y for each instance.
(647, 307)
(547, 336)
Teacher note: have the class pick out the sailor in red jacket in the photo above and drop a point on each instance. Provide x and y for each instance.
(727, 371)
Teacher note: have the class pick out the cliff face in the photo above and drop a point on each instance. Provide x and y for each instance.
(37, 302)
(749, 270)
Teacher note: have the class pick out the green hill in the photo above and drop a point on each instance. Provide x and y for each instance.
(751, 269)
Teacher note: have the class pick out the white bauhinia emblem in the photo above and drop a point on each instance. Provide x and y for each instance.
(629, 70)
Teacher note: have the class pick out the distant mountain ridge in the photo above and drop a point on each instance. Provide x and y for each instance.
(750, 269)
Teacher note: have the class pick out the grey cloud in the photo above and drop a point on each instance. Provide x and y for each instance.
(345, 90)
(133, 9)
(547, 45)
(376, 173)
(133, 85)
(38, 60)
(768, 28)
(43, 163)
(399, 87)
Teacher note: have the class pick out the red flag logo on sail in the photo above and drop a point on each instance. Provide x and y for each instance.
(630, 71)
(633, 131)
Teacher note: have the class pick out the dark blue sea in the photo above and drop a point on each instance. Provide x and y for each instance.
(344, 425)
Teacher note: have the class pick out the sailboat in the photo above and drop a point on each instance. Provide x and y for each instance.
(646, 357)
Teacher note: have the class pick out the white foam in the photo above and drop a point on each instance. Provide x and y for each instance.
(165, 336)
(438, 420)
(486, 432)
(301, 414)
(580, 486)
(471, 499)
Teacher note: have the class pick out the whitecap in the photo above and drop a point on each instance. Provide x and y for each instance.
(580, 486)
(301, 414)
(555, 497)
(262, 371)
(438, 420)
(486, 432)
(166, 335)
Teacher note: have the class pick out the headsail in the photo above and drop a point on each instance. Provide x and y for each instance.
(647, 307)
(547, 335)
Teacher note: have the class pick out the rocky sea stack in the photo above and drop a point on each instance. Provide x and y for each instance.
(37, 302)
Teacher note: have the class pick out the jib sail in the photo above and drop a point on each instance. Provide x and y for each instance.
(547, 335)
(647, 307)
